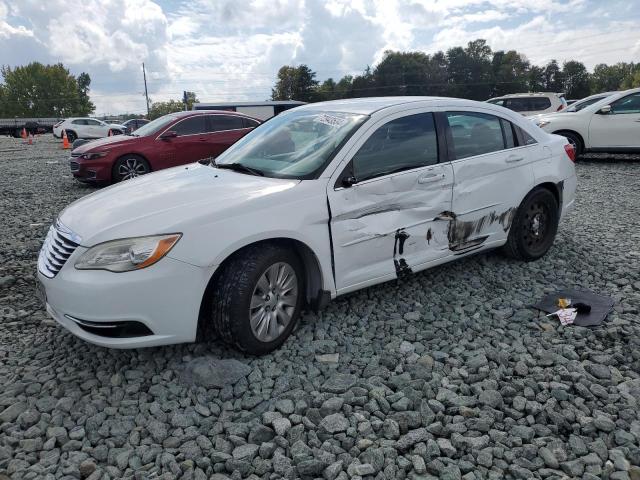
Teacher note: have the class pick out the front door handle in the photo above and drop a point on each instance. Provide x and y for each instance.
(433, 177)
(513, 159)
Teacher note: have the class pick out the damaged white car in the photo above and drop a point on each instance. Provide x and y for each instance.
(321, 200)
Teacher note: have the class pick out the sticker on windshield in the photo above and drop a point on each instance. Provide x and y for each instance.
(330, 120)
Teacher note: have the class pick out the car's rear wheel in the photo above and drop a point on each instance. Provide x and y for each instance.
(534, 227)
(574, 140)
(257, 298)
(129, 166)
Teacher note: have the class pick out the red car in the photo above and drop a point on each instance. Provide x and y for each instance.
(175, 139)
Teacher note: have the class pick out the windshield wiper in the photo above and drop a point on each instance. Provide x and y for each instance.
(238, 167)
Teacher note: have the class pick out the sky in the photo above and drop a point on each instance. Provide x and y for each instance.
(231, 50)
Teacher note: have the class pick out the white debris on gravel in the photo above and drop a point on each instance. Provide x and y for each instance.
(445, 375)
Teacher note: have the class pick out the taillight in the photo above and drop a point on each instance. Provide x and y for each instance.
(570, 151)
(560, 107)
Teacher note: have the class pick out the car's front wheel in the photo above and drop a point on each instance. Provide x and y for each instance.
(71, 136)
(534, 226)
(129, 166)
(257, 298)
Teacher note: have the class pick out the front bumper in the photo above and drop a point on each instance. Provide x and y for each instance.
(159, 304)
(98, 170)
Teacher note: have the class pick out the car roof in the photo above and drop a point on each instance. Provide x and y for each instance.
(529, 95)
(369, 105)
(191, 113)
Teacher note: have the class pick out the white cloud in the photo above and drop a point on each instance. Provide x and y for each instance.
(232, 49)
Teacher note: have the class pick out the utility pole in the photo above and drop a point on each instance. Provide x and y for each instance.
(146, 94)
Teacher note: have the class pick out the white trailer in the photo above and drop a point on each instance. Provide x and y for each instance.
(261, 110)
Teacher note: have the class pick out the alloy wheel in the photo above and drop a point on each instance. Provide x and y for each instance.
(131, 168)
(273, 302)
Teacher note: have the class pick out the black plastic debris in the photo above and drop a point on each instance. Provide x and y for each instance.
(600, 306)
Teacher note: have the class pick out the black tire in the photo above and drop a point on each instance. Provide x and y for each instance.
(534, 226)
(71, 136)
(575, 140)
(129, 166)
(78, 142)
(234, 288)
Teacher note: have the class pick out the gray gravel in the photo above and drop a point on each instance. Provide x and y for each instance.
(445, 375)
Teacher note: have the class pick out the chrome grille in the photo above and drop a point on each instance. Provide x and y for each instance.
(75, 166)
(58, 246)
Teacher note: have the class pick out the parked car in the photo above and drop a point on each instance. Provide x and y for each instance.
(611, 124)
(132, 125)
(531, 103)
(174, 139)
(317, 202)
(585, 102)
(86, 128)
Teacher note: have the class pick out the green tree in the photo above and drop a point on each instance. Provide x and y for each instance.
(295, 83)
(607, 78)
(553, 77)
(576, 79)
(37, 90)
(536, 79)
(84, 81)
(470, 71)
(158, 109)
(510, 73)
(632, 80)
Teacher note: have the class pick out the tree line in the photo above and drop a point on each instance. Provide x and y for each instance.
(475, 72)
(37, 90)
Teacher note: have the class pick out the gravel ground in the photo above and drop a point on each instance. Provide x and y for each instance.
(445, 375)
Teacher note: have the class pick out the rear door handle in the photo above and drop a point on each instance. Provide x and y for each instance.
(433, 177)
(513, 159)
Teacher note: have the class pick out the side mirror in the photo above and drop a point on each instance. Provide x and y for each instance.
(168, 134)
(349, 181)
(606, 110)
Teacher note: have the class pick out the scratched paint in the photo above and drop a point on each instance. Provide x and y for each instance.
(400, 264)
(465, 235)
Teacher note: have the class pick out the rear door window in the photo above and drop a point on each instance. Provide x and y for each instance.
(474, 133)
(219, 123)
(190, 126)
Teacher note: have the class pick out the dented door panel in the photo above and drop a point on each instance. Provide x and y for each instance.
(487, 192)
(383, 228)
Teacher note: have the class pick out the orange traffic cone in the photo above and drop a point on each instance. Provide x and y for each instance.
(65, 140)
(110, 133)
(23, 134)
(31, 139)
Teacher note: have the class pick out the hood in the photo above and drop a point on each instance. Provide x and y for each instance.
(106, 142)
(171, 200)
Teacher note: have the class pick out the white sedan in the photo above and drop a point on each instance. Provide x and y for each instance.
(321, 200)
(609, 125)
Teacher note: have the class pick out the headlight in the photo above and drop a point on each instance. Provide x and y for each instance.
(127, 254)
(93, 156)
(542, 123)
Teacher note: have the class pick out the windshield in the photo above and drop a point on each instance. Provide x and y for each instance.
(295, 144)
(153, 127)
(576, 107)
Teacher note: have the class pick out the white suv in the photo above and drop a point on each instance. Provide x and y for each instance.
(609, 125)
(86, 128)
(531, 103)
